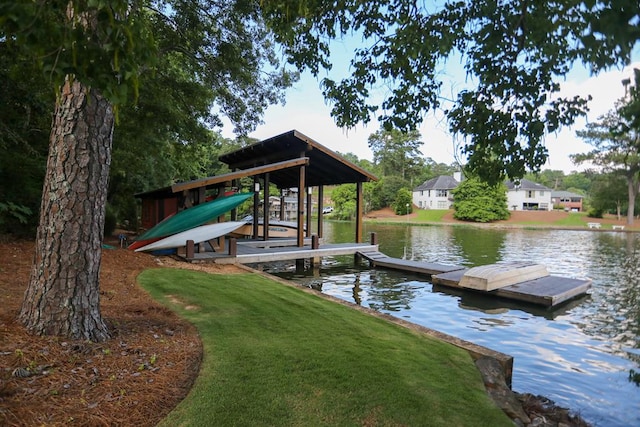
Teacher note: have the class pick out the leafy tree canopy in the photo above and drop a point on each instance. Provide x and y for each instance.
(397, 153)
(478, 201)
(385, 191)
(609, 193)
(514, 53)
(224, 46)
(616, 144)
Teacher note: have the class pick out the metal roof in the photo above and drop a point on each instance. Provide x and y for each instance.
(220, 180)
(325, 166)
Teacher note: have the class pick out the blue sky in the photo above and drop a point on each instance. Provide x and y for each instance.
(306, 111)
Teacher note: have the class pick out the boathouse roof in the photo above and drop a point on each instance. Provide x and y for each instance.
(325, 167)
(280, 156)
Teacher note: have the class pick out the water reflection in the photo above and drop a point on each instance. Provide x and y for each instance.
(584, 355)
(479, 246)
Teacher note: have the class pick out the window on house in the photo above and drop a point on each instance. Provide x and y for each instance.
(442, 204)
(542, 194)
(530, 194)
(441, 193)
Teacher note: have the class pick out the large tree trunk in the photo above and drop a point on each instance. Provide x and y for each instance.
(63, 297)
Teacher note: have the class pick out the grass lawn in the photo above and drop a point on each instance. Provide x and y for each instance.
(431, 215)
(276, 355)
(574, 219)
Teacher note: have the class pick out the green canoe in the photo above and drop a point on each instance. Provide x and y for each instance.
(193, 217)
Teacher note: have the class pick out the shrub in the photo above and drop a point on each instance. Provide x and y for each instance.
(403, 203)
(595, 213)
(477, 201)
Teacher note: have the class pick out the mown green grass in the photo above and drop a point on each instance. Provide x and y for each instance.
(430, 215)
(276, 355)
(574, 219)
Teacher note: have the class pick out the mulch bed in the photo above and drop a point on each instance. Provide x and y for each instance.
(135, 378)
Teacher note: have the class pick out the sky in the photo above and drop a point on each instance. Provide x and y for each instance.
(306, 111)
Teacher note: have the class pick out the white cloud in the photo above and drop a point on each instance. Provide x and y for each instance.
(307, 112)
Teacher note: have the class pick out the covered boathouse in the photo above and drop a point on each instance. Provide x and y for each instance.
(289, 160)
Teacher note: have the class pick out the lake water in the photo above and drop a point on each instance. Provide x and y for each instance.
(584, 355)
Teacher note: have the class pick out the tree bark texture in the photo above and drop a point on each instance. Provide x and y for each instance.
(62, 297)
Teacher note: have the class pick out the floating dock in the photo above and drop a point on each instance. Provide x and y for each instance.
(547, 291)
(519, 281)
(378, 259)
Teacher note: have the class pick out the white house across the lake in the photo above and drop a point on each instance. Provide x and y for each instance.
(525, 195)
(521, 195)
(435, 193)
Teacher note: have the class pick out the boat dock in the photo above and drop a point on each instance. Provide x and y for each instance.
(547, 291)
(516, 281)
(523, 282)
(378, 259)
(259, 251)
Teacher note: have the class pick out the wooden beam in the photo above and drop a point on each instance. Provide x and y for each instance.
(220, 179)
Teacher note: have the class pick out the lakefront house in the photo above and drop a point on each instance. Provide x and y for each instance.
(525, 195)
(436, 193)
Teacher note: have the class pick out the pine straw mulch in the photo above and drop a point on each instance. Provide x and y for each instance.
(134, 379)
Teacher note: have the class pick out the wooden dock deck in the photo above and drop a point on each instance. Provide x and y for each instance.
(378, 259)
(547, 291)
(258, 251)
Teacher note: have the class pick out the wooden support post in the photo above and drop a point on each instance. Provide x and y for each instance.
(315, 244)
(359, 212)
(357, 259)
(309, 210)
(300, 219)
(233, 246)
(282, 205)
(265, 208)
(374, 238)
(320, 209)
(234, 212)
(190, 249)
(256, 203)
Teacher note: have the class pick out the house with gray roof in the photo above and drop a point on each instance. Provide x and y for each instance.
(525, 195)
(435, 193)
(567, 200)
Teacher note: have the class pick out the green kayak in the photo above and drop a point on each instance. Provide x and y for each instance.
(193, 217)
